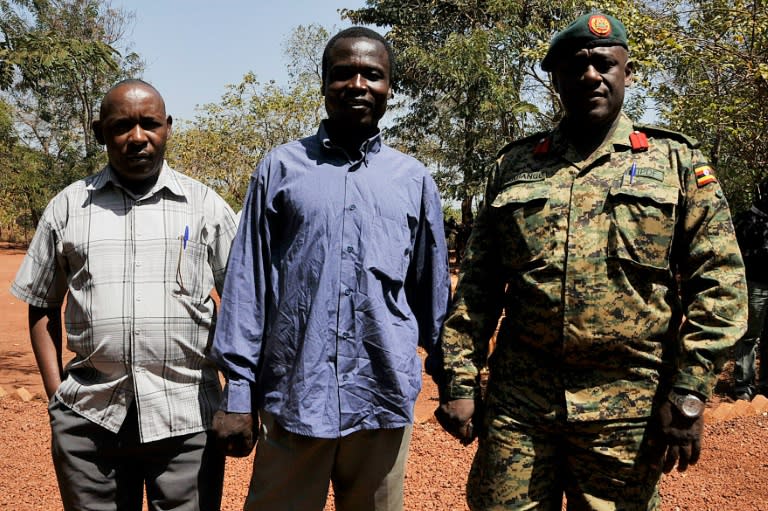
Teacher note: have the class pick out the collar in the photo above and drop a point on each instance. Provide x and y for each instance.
(617, 140)
(371, 145)
(167, 179)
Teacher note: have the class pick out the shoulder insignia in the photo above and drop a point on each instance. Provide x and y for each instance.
(638, 141)
(535, 138)
(657, 131)
(542, 147)
(704, 174)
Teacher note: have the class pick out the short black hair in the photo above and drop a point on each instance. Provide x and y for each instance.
(357, 32)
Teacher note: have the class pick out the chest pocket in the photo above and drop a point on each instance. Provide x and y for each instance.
(522, 213)
(387, 254)
(642, 223)
(191, 266)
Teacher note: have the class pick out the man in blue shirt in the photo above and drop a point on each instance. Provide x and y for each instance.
(339, 269)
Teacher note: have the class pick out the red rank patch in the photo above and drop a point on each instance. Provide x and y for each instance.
(542, 147)
(638, 141)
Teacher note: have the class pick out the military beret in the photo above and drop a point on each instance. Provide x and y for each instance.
(588, 31)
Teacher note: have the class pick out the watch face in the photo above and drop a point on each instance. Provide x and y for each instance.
(691, 406)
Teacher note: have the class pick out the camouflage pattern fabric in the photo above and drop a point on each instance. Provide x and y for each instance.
(618, 277)
(582, 257)
(600, 465)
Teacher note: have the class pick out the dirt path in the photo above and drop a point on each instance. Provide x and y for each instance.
(731, 474)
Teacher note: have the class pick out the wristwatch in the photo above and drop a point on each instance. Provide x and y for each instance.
(689, 405)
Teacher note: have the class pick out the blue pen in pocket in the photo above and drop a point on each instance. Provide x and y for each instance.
(180, 263)
(632, 172)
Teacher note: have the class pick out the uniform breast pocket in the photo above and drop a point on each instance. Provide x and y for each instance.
(190, 269)
(521, 214)
(642, 223)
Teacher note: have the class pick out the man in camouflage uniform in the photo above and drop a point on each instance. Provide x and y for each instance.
(609, 248)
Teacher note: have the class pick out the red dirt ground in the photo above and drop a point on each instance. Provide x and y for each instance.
(730, 475)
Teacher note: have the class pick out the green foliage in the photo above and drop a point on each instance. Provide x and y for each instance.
(57, 59)
(715, 87)
(223, 144)
(469, 71)
(304, 51)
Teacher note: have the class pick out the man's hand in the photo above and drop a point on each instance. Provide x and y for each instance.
(678, 439)
(234, 433)
(456, 418)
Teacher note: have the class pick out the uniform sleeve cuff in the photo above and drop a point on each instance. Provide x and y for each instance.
(694, 385)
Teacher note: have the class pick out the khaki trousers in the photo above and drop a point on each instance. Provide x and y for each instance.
(292, 472)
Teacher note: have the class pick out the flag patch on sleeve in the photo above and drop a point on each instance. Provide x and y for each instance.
(704, 174)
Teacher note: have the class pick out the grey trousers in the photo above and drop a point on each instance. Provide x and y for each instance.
(98, 470)
(292, 472)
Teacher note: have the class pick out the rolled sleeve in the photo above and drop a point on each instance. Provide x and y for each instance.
(40, 280)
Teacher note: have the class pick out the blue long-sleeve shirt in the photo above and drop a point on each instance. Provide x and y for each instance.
(338, 270)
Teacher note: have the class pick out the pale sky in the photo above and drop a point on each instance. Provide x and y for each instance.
(194, 48)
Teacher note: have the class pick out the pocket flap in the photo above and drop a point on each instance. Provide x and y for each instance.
(522, 193)
(660, 194)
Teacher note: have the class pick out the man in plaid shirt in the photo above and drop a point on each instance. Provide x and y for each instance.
(136, 250)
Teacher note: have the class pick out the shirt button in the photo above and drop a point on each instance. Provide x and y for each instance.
(350, 249)
(347, 291)
(352, 207)
(345, 335)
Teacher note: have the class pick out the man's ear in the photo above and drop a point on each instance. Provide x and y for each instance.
(169, 122)
(96, 127)
(629, 73)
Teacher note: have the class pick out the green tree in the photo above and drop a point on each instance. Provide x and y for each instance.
(715, 86)
(469, 71)
(57, 58)
(466, 80)
(223, 144)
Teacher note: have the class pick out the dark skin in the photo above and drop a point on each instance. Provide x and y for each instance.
(135, 128)
(591, 86)
(45, 333)
(591, 83)
(356, 90)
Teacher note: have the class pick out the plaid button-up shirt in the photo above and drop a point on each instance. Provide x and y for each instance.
(137, 273)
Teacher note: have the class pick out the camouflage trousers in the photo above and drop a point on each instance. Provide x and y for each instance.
(526, 462)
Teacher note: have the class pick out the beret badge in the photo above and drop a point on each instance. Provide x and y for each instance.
(599, 25)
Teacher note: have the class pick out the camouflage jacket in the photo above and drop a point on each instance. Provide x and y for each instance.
(618, 277)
